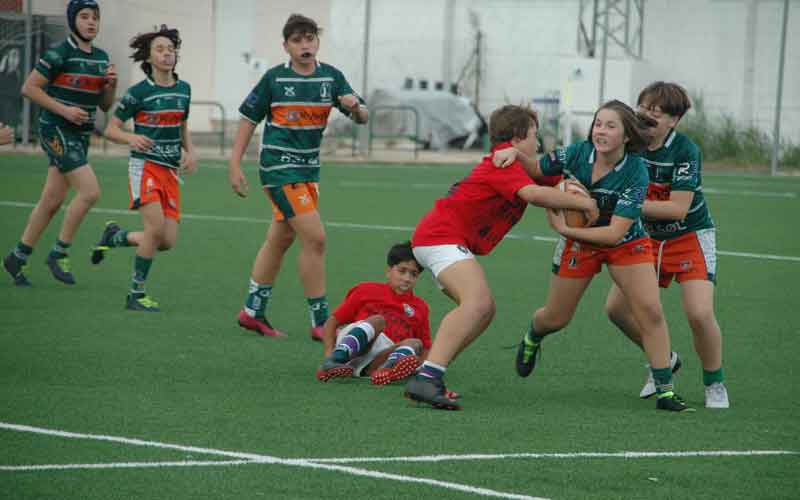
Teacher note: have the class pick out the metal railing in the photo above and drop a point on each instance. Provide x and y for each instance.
(415, 139)
(220, 132)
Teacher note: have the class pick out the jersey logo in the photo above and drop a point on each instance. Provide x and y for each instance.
(304, 199)
(289, 91)
(325, 91)
(56, 146)
(408, 310)
(292, 116)
(462, 249)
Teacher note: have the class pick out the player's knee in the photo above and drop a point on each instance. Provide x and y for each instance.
(700, 317)
(485, 308)
(377, 322)
(650, 314)
(415, 344)
(90, 195)
(50, 204)
(316, 244)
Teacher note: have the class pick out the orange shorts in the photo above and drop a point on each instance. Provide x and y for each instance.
(150, 182)
(579, 260)
(692, 256)
(294, 199)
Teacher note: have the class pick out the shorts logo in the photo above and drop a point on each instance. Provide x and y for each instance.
(149, 185)
(573, 262)
(56, 146)
(289, 91)
(304, 199)
(408, 310)
(686, 265)
(638, 249)
(172, 203)
(462, 249)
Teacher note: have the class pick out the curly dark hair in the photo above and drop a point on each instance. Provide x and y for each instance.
(141, 45)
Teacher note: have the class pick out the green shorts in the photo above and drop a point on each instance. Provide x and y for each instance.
(65, 148)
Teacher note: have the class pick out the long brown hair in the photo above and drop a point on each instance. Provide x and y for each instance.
(141, 46)
(633, 124)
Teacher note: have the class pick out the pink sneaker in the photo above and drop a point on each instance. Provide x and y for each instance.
(262, 327)
(316, 333)
(405, 367)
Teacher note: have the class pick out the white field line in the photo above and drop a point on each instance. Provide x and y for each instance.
(567, 456)
(262, 459)
(124, 465)
(372, 227)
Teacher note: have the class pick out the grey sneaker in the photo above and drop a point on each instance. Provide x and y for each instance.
(649, 387)
(60, 268)
(717, 396)
(431, 391)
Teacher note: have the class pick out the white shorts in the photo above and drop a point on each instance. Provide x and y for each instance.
(437, 258)
(359, 363)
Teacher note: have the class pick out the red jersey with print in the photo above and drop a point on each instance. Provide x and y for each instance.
(479, 210)
(406, 314)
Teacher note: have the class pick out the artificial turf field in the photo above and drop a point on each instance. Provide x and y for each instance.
(102, 403)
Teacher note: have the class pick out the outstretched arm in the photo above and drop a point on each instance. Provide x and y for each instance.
(675, 208)
(505, 157)
(548, 197)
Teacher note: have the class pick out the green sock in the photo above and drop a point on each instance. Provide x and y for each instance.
(663, 379)
(22, 251)
(257, 299)
(141, 268)
(713, 376)
(531, 337)
(120, 239)
(60, 249)
(318, 307)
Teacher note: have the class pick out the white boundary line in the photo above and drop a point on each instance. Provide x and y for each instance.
(349, 225)
(254, 458)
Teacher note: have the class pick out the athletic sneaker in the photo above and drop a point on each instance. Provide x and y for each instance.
(59, 266)
(316, 333)
(527, 355)
(717, 396)
(331, 368)
(649, 387)
(403, 368)
(672, 402)
(431, 391)
(141, 303)
(258, 325)
(99, 250)
(17, 269)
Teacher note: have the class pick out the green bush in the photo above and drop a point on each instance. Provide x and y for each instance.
(720, 138)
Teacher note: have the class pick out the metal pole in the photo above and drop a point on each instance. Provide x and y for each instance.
(604, 58)
(26, 103)
(364, 136)
(776, 134)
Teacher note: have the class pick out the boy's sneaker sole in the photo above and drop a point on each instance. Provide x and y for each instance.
(57, 266)
(104, 244)
(331, 369)
(404, 368)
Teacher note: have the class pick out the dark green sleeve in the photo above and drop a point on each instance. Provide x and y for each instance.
(128, 106)
(189, 102)
(50, 63)
(342, 87)
(554, 162)
(255, 105)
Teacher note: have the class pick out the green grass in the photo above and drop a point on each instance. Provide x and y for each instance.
(72, 359)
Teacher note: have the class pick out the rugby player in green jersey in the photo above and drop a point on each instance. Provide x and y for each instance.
(161, 148)
(617, 180)
(676, 216)
(67, 83)
(295, 98)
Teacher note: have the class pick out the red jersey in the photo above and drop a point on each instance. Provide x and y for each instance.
(479, 210)
(406, 314)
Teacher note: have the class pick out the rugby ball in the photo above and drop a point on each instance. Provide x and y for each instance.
(574, 218)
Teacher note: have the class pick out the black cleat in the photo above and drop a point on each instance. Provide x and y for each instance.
(99, 250)
(59, 266)
(670, 401)
(141, 303)
(431, 391)
(16, 268)
(527, 355)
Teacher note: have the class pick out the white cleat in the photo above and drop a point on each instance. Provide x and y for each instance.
(650, 385)
(717, 396)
